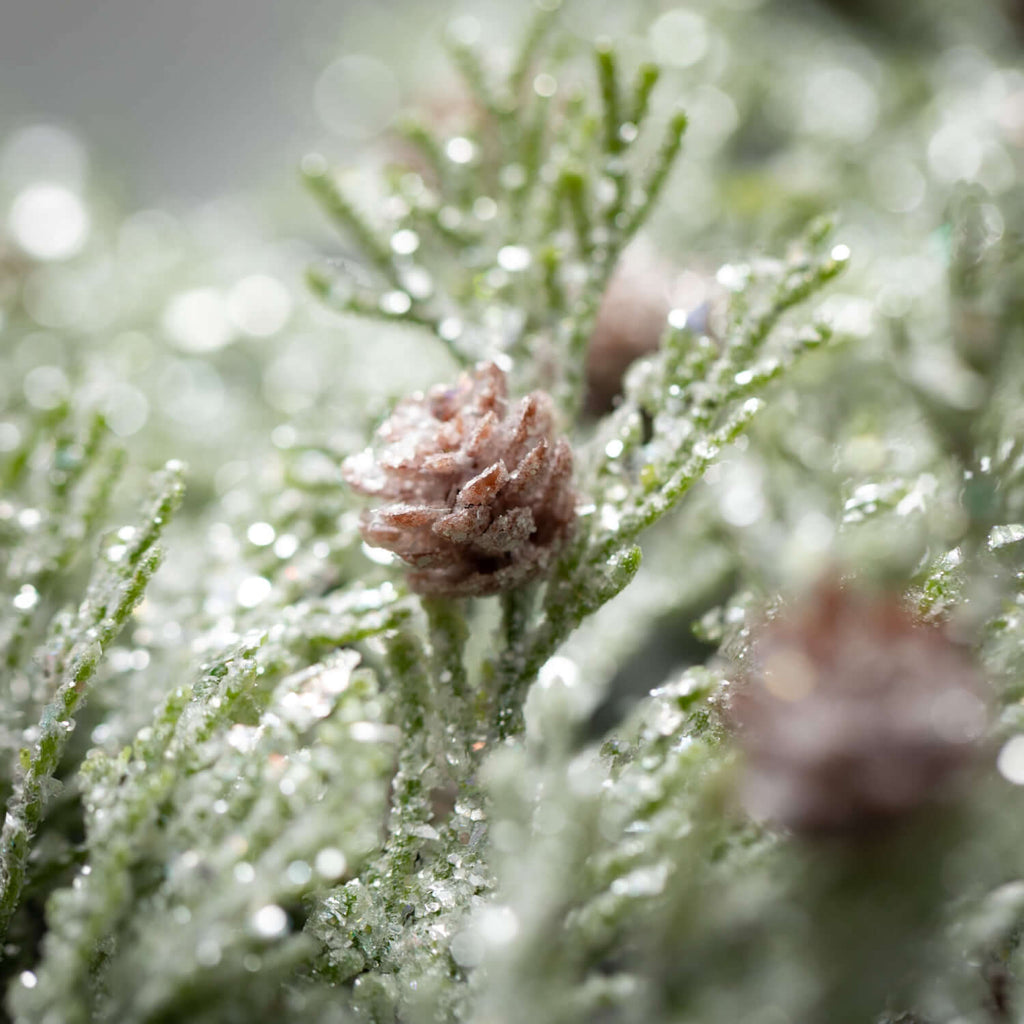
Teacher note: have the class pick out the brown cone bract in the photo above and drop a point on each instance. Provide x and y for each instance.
(852, 712)
(479, 490)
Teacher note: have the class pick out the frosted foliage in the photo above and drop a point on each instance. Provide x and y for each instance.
(261, 813)
(536, 709)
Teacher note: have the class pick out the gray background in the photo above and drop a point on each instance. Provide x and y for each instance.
(177, 100)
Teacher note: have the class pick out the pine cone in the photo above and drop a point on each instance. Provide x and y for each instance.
(481, 495)
(633, 317)
(852, 712)
(629, 325)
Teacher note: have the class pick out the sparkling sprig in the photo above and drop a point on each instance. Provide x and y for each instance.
(540, 194)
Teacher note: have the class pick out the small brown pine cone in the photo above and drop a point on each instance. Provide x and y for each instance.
(851, 712)
(629, 325)
(633, 317)
(480, 493)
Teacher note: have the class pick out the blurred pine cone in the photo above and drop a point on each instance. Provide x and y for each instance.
(633, 316)
(629, 325)
(852, 712)
(480, 494)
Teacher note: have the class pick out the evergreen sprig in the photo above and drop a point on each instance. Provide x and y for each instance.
(279, 786)
(71, 654)
(542, 203)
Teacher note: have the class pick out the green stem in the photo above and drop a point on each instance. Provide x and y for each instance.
(339, 207)
(646, 79)
(607, 75)
(449, 632)
(664, 161)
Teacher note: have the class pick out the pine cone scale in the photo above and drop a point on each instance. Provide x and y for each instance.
(484, 487)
